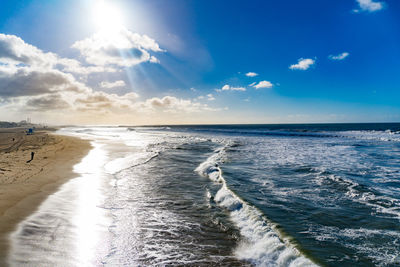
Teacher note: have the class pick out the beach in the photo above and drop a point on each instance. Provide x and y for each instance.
(25, 185)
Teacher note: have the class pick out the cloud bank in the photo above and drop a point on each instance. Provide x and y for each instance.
(36, 82)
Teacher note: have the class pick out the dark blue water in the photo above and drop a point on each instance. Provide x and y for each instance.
(332, 190)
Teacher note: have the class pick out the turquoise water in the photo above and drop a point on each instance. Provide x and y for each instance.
(263, 195)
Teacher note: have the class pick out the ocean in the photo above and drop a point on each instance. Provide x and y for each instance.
(223, 195)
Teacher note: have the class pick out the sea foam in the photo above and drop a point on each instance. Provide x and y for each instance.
(262, 244)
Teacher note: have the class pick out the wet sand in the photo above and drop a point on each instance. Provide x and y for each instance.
(24, 185)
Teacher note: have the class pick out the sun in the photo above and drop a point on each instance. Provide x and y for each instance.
(107, 18)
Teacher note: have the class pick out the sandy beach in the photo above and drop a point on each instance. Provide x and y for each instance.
(24, 185)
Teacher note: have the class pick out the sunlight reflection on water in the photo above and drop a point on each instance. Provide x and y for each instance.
(70, 226)
(90, 220)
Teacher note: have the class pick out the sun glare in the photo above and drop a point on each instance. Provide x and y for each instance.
(107, 18)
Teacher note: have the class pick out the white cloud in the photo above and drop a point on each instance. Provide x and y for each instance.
(13, 50)
(109, 85)
(100, 101)
(251, 74)
(227, 87)
(303, 64)
(210, 97)
(252, 84)
(339, 57)
(263, 84)
(46, 102)
(33, 90)
(30, 80)
(123, 49)
(173, 104)
(369, 5)
(153, 59)
(26, 81)
(74, 66)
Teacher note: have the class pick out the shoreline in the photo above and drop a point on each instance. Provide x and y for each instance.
(24, 186)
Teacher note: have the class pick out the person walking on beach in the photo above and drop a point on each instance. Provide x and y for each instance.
(32, 155)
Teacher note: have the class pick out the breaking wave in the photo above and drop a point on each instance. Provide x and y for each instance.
(262, 243)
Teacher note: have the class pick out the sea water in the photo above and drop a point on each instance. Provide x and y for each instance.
(230, 195)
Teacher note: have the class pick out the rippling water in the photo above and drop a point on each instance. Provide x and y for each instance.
(264, 195)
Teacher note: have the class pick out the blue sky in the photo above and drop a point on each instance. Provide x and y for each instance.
(317, 61)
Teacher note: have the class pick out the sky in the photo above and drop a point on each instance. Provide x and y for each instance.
(142, 62)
